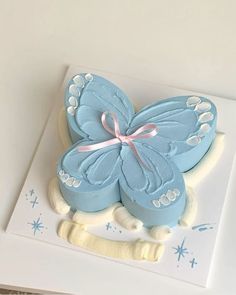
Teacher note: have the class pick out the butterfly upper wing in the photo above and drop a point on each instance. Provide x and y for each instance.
(157, 195)
(87, 97)
(186, 128)
(88, 180)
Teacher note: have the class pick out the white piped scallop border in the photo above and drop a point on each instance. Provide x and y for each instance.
(68, 179)
(167, 198)
(75, 90)
(203, 106)
(204, 116)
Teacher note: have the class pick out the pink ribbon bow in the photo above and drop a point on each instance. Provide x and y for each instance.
(146, 131)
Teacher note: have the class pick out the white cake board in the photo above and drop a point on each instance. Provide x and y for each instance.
(199, 241)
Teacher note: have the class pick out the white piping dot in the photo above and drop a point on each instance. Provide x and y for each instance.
(203, 107)
(193, 100)
(206, 117)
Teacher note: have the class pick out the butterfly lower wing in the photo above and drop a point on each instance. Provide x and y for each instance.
(88, 180)
(186, 128)
(157, 195)
(87, 97)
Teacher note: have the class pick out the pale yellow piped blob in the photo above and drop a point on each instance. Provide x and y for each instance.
(56, 200)
(160, 233)
(63, 129)
(77, 235)
(96, 218)
(190, 211)
(125, 219)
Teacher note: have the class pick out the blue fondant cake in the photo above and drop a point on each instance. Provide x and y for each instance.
(143, 172)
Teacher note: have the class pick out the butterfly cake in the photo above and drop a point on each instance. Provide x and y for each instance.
(128, 166)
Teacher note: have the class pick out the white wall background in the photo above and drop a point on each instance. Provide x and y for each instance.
(186, 43)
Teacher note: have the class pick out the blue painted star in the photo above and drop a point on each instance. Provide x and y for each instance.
(193, 262)
(180, 250)
(31, 192)
(108, 226)
(37, 225)
(34, 202)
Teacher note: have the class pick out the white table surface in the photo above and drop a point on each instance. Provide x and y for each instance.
(182, 43)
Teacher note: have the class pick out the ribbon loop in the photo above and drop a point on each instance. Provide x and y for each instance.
(146, 131)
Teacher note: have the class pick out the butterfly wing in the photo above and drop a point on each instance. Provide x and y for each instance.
(157, 195)
(186, 128)
(87, 97)
(88, 180)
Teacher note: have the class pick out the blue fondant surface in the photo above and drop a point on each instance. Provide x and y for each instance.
(91, 181)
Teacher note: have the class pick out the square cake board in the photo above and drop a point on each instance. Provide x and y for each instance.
(194, 265)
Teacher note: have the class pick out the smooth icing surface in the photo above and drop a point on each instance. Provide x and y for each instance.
(77, 235)
(94, 180)
(207, 163)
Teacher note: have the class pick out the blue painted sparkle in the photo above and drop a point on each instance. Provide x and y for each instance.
(31, 192)
(203, 227)
(108, 226)
(37, 225)
(34, 202)
(180, 250)
(193, 262)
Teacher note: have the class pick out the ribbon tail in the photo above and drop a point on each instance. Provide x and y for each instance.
(138, 157)
(98, 146)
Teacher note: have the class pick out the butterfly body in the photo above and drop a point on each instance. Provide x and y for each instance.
(152, 189)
